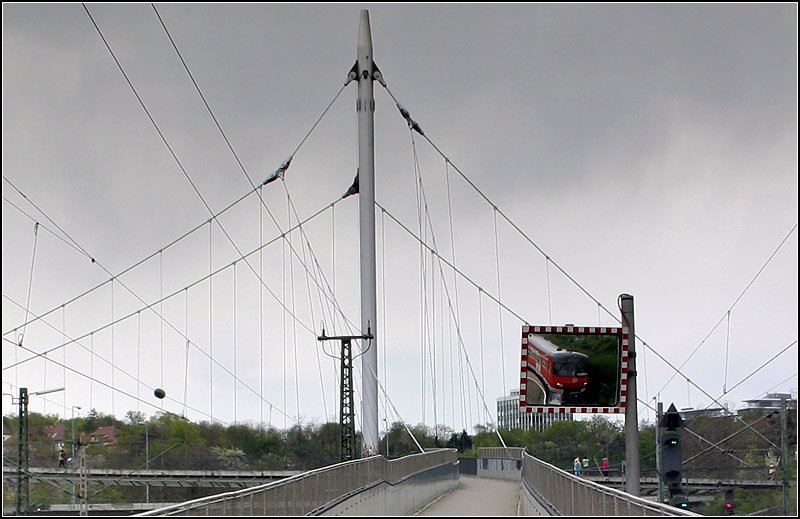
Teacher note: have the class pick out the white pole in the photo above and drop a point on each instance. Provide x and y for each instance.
(365, 107)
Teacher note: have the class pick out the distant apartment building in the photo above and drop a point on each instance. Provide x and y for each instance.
(511, 416)
(689, 413)
(769, 403)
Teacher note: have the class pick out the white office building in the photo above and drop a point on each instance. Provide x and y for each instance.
(511, 416)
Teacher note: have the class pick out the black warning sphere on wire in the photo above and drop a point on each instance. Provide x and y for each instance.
(160, 393)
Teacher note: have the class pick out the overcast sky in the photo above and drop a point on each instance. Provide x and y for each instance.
(646, 149)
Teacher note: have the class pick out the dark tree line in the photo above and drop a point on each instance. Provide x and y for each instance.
(713, 447)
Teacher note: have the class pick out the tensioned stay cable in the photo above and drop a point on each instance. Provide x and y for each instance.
(186, 353)
(261, 318)
(113, 408)
(414, 126)
(283, 323)
(460, 341)
(182, 168)
(423, 302)
(435, 254)
(281, 170)
(77, 246)
(64, 354)
(499, 309)
(452, 253)
(735, 302)
(396, 413)
(727, 349)
(793, 343)
(210, 322)
(92, 379)
(480, 335)
(56, 235)
(161, 311)
(428, 295)
(125, 271)
(750, 375)
(384, 343)
(235, 325)
(28, 296)
(116, 277)
(294, 324)
(168, 296)
(139, 357)
(71, 241)
(91, 370)
(441, 259)
(549, 304)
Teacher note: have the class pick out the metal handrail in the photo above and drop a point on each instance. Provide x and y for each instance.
(304, 493)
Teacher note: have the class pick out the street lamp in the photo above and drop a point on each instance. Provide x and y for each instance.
(386, 423)
(73, 428)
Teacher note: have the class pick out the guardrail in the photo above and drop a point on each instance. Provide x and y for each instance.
(548, 490)
(316, 491)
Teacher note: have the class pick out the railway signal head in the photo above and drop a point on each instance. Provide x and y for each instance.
(729, 502)
(671, 451)
(680, 501)
(671, 461)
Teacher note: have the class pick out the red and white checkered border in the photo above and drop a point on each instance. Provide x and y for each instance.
(584, 330)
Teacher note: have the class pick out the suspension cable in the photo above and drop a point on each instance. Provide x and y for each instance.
(30, 280)
(730, 308)
(414, 126)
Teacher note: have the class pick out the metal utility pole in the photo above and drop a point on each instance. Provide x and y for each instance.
(365, 107)
(632, 485)
(659, 414)
(72, 503)
(23, 455)
(23, 449)
(347, 424)
(84, 479)
(784, 455)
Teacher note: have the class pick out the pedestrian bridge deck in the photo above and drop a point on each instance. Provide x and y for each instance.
(478, 497)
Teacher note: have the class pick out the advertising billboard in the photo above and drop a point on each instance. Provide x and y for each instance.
(574, 369)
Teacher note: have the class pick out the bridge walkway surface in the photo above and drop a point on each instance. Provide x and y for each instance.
(478, 497)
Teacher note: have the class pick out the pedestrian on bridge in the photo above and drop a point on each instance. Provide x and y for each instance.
(576, 466)
(62, 459)
(604, 467)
